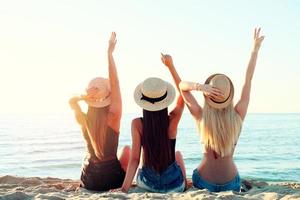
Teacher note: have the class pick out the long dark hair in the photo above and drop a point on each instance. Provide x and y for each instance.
(96, 128)
(155, 139)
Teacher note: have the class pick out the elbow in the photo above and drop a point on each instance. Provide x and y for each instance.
(114, 82)
(181, 86)
(116, 112)
(135, 160)
(180, 102)
(71, 100)
(248, 82)
(71, 103)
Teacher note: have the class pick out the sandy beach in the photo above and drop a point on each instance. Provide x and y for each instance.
(12, 187)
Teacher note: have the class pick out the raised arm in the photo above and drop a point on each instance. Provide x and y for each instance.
(188, 98)
(176, 113)
(134, 160)
(207, 89)
(242, 105)
(168, 61)
(115, 111)
(175, 116)
(185, 89)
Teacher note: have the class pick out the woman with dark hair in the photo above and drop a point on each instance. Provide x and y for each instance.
(155, 133)
(102, 169)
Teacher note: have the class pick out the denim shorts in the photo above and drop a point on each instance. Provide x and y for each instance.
(234, 184)
(171, 180)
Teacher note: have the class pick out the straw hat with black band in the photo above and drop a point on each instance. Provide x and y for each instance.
(224, 84)
(154, 94)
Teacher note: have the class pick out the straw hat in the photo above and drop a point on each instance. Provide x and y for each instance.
(103, 97)
(223, 83)
(154, 94)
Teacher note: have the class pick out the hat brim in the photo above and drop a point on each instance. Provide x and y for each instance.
(157, 105)
(95, 83)
(215, 104)
(99, 104)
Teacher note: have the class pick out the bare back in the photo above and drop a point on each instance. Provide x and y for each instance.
(216, 169)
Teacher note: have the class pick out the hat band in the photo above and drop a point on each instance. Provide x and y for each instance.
(221, 101)
(102, 99)
(153, 100)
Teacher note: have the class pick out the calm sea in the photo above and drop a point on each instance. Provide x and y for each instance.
(52, 145)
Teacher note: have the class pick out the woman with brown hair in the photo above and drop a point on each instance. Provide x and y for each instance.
(102, 169)
(155, 134)
(219, 124)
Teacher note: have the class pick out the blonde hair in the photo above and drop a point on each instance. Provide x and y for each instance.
(220, 129)
(96, 125)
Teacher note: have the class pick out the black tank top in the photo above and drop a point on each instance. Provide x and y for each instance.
(172, 146)
(110, 146)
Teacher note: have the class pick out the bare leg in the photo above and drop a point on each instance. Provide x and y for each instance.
(180, 162)
(124, 156)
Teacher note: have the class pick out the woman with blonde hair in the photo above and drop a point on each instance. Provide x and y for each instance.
(219, 124)
(102, 170)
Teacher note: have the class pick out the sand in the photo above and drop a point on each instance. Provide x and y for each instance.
(12, 187)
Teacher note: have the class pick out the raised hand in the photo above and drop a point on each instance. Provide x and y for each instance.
(75, 99)
(112, 43)
(211, 91)
(91, 94)
(257, 39)
(167, 60)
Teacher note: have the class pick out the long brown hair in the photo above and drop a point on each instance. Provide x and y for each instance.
(96, 127)
(155, 139)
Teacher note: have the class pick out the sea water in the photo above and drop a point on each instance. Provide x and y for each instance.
(52, 146)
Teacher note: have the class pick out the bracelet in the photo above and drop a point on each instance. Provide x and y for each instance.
(197, 86)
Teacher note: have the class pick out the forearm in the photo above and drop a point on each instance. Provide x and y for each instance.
(112, 70)
(251, 66)
(130, 173)
(190, 86)
(116, 101)
(175, 76)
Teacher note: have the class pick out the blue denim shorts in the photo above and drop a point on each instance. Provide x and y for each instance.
(171, 180)
(234, 184)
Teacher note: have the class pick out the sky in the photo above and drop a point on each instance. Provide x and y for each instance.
(50, 49)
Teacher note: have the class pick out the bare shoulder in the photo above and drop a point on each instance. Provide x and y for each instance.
(241, 110)
(136, 122)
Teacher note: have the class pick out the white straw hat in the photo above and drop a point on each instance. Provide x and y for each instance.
(103, 97)
(154, 94)
(224, 84)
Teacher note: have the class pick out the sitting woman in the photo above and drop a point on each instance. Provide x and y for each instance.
(155, 133)
(219, 123)
(102, 170)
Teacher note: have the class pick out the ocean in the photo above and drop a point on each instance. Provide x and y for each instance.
(53, 146)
